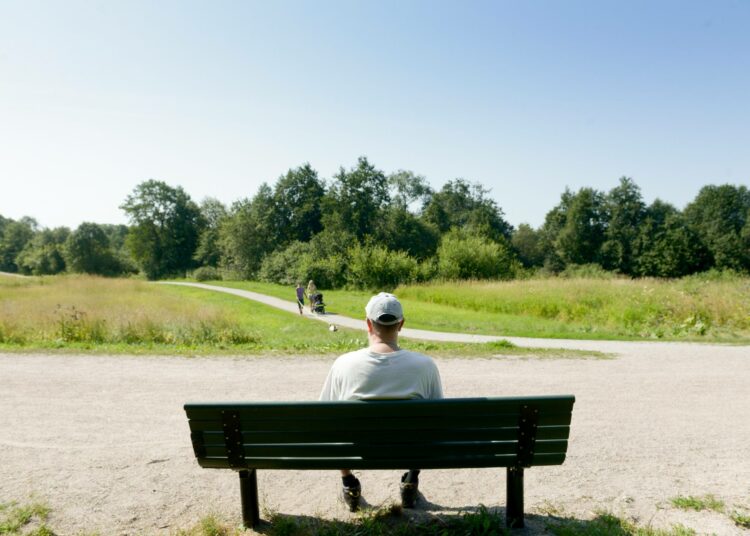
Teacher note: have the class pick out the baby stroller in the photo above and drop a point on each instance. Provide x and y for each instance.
(316, 303)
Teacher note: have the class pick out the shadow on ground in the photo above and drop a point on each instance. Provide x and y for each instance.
(434, 519)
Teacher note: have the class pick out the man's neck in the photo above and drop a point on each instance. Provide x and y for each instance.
(382, 346)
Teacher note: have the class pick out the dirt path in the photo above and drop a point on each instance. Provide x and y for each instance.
(104, 441)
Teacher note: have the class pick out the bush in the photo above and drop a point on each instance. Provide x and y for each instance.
(284, 266)
(207, 273)
(378, 268)
(586, 271)
(465, 256)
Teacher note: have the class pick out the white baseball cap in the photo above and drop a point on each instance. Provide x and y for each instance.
(384, 309)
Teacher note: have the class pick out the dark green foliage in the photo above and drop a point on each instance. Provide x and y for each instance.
(720, 216)
(208, 252)
(43, 254)
(88, 251)
(625, 210)
(462, 205)
(666, 246)
(527, 245)
(15, 236)
(581, 235)
(285, 266)
(356, 199)
(400, 230)
(463, 255)
(165, 226)
(249, 233)
(298, 196)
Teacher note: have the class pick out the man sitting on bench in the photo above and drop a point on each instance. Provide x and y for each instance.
(382, 371)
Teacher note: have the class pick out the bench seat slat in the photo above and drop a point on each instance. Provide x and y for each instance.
(404, 422)
(360, 409)
(388, 450)
(211, 436)
(392, 463)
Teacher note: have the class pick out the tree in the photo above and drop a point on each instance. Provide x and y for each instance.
(208, 252)
(462, 205)
(43, 254)
(165, 226)
(580, 238)
(298, 197)
(356, 199)
(249, 233)
(527, 244)
(666, 246)
(16, 234)
(400, 230)
(719, 215)
(407, 189)
(625, 210)
(88, 251)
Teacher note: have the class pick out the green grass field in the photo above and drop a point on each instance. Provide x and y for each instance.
(90, 314)
(697, 308)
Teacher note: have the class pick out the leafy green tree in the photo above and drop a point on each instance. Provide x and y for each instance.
(527, 244)
(165, 226)
(625, 210)
(666, 246)
(462, 205)
(580, 238)
(208, 252)
(43, 254)
(400, 230)
(356, 199)
(249, 233)
(408, 189)
(719, 215)
(16, 234)
(463, 255)
(88, 251)
(298, 198)
(554, 222)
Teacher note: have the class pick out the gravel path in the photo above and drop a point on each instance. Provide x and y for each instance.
(104, 442)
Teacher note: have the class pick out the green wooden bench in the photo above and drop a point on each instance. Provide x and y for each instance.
(515, 432)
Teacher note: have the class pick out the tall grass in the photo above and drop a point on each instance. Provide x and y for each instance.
(129, 316)
(696, 307)
(707, 307)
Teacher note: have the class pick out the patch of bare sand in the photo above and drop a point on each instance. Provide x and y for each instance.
(105, 443)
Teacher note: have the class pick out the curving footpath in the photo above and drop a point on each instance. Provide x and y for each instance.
(440, 336)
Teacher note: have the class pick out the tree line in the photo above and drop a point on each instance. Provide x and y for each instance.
(363, 228)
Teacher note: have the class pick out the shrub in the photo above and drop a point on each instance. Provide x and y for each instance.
(586, 271)
(206, 273)
(378, 268)
(465, 256)
(284, 266)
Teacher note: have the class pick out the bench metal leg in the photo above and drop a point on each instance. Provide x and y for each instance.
(249, 498)
(514, 498)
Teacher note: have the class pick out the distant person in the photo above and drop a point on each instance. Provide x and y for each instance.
(300, 297)
(312, 292)
(382, 371)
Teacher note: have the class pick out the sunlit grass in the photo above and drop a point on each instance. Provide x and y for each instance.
(696, 308)
(76, 313)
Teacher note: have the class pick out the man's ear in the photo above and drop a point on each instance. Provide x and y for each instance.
(401, 324)
(369, 325)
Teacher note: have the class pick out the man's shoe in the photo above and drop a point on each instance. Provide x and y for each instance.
(351, 495)
(409, 492)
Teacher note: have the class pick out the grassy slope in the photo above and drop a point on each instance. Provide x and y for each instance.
(691, 309)
(73, 313)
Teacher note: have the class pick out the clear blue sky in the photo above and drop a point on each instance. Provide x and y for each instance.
(525, 97)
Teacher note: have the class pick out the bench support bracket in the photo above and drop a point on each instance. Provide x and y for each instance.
(249, 498)
(514, 498)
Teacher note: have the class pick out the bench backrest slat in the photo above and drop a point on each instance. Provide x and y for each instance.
(379, 434)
